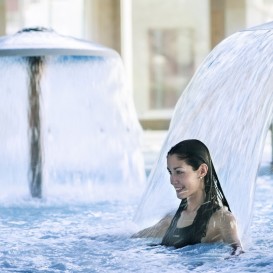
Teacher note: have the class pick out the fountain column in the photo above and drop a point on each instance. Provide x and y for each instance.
(34, 122)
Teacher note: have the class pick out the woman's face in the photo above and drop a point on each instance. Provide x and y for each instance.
(184, 179)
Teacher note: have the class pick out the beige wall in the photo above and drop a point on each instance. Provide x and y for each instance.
(165, 14)
(226, 17)
(258, 12)
(2, 18)
(102, 19)
(217, 21)
(235, 18)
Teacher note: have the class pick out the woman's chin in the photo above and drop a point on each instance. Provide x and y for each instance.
(181, 195)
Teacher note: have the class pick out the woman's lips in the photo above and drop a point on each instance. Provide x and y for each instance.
(181, 190)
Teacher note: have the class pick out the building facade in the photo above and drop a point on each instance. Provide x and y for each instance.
(161, 42)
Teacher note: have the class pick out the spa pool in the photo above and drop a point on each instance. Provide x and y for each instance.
(47, 236)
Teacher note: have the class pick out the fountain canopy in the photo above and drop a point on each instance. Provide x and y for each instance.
(40, 41)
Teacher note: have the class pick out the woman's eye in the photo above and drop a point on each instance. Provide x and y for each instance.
(176, 172)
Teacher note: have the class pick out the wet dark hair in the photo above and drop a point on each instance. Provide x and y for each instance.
(194, 153)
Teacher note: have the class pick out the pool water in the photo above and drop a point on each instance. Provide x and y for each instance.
(69, 235)
(40, 236)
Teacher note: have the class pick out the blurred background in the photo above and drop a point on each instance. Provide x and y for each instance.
(161, 42)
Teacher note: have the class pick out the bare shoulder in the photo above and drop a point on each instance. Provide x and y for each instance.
(167, 219)
(220, 224)
(222, 227)
(223, 217)
(157, 230)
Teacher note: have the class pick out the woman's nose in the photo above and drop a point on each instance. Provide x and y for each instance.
(173, 179)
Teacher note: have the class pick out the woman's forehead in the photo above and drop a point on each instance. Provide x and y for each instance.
(175, 160)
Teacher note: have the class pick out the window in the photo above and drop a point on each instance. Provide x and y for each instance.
(171, 64)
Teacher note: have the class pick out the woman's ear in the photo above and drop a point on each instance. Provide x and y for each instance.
(203, 170)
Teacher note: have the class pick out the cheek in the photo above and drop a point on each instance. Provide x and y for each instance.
(193, 181)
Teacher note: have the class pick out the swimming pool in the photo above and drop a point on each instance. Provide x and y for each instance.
(84, 236)
(43, 237)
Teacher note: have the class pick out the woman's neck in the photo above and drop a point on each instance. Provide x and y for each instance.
(195, 201)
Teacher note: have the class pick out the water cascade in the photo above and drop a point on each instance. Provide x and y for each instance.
(66, 118)
(228, 105)
(35, 65)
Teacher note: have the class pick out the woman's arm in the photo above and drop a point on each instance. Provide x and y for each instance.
(229, 233)
(156, 231)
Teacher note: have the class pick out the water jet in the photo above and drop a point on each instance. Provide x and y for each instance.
(80, 114)
(228, 106)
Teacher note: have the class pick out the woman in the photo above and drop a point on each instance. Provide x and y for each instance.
(204, 215)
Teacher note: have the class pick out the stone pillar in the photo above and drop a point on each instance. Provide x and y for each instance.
(103, 23)
(2, 18)
(235, 16)
(217, 21)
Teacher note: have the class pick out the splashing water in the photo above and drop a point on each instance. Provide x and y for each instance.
(227, 105)
(90, 135)
(39, 235)
(49, 235)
